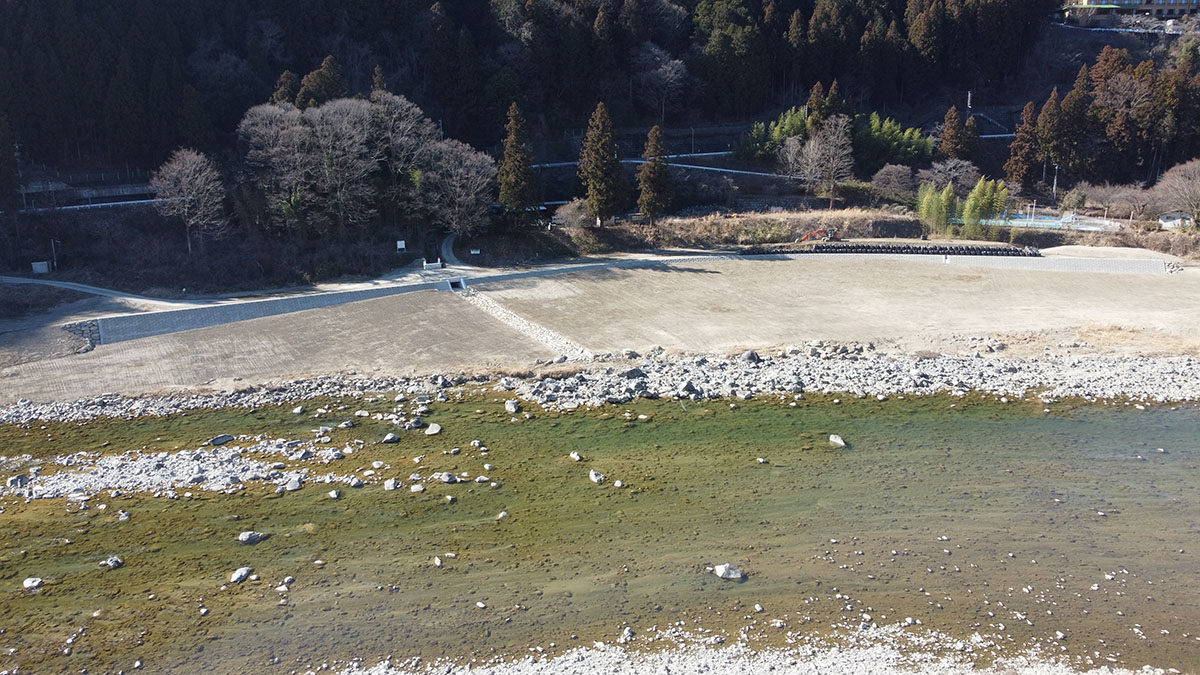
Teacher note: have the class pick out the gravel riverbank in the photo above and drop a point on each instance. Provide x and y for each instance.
(882, 650)
(850, 369)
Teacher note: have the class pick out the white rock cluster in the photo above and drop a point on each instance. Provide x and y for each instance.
(219, 468)
(863, 372)
(852, 369)
(884, 650)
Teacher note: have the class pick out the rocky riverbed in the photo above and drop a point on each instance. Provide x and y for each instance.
(841, 545)
(852, 369)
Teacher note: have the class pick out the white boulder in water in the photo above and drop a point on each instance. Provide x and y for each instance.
(239, 575)
(834, 439)
(596, 476)
(33, 583)
(433, 430)
(727, 571)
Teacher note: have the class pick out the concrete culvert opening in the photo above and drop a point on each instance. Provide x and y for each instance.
(458, 284)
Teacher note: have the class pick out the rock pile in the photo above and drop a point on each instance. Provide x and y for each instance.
(220, 468)
(852, 368)
(860, 371)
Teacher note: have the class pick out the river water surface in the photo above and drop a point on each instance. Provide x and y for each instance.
(1074, 530)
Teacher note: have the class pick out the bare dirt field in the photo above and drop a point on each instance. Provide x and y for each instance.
(911, 304)
(403, 334)
(716, 306)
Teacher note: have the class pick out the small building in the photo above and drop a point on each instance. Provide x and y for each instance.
(1174, 220)
(1091, 12)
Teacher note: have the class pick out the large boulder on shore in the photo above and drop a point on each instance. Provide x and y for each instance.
(728, 571)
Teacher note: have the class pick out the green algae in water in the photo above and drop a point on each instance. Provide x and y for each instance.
(989, 508)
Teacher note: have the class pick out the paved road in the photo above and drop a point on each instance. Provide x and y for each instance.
(96, 290)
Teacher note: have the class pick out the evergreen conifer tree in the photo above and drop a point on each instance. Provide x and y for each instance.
(518, 186)
(600, 169)
(970, 138)
(286, 88)
(1075, 122)
(835, 103)
(1021, 167)
(654, 177)
(1050, 130)
(816, 105)
(953, 144)
(321, 85)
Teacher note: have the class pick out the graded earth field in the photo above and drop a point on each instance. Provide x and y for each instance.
(914, 304)
(1070, 530)
(709, 306)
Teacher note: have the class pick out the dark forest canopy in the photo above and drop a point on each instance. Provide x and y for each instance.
(128, 81)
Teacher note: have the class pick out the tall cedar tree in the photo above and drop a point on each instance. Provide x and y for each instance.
(970, 138)
(286, 88)
(1021, 167)
(600, 169)
(321, 85)
(1075, 122)
(378, 81)
(518, 186)
(816, 105)
(1050, 129)
(836, 104)
(654, 177)
(954, 142)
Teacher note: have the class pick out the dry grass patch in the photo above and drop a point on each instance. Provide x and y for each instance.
(740, 229)
(784, 226)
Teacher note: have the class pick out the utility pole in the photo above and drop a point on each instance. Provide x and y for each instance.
(1054, 190)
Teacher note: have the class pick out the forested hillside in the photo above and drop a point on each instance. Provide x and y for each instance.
(128, 81)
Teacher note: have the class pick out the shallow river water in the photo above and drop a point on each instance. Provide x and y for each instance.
(1075, 530)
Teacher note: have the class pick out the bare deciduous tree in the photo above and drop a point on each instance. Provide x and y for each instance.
(660, 79)
(1105, 196)
(1136, 200)
(458, 186)
(277, 160)
(825, 159)
(344, 159)
(189, 187)
(894, 181)
(791, 156)
(1180, 188)
(404, 135)
(960, 173)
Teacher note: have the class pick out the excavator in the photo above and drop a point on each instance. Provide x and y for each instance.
(829, 235)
